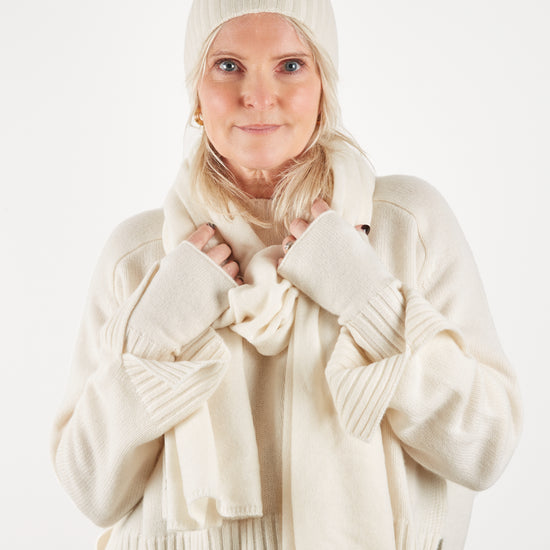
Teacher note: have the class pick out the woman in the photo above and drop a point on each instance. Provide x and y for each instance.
(256, 367)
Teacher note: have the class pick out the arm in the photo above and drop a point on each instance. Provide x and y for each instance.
(431, 359)
(145, 359)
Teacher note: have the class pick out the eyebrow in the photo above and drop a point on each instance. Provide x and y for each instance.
(227, 53)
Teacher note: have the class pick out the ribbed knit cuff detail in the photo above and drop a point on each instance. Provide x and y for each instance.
(423, 322)
(379, 327)
(183, 298)
(372, 351)
(171, 390)
(335, 266)
(361, 391)
(397, 318)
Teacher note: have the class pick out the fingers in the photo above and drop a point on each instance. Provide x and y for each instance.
(231, 268)
(287, 243)
(202, 235)
(318, 207)
(298, 227)
(219, 254)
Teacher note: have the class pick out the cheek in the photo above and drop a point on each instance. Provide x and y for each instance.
(216, 105)
(305, 102)
(215, 101)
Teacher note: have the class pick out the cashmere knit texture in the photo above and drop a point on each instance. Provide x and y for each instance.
(272, 316)
(434, 383)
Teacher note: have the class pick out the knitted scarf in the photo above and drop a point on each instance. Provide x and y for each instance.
(335, 491)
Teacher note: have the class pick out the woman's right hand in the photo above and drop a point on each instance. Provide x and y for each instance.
(220, 254)
(185, 292)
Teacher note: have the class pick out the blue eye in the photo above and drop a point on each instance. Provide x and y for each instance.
(228, 66)
(292, 66)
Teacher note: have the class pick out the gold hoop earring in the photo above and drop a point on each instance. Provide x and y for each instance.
(198, 118)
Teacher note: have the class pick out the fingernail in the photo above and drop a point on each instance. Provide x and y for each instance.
(366, 228)
(239, 278)
(212, 225)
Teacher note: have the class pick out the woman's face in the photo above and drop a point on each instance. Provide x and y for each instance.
(260, 94)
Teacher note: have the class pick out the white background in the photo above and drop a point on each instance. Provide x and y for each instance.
(92, 110)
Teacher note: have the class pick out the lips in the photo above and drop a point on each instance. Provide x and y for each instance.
(259, 129)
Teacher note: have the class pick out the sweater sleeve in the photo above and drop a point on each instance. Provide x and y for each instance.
(428, 353)
(145, 359)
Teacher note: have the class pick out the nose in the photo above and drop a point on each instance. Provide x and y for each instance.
(259, 92)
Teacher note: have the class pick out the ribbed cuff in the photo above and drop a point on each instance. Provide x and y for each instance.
(424, 321)
(362, 391)
(171, 390)
(397, 318)
(388, 329)
(379, 325)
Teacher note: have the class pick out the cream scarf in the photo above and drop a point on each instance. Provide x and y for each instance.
(335, 492)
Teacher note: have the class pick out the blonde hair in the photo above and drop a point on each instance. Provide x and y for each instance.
(307, 177)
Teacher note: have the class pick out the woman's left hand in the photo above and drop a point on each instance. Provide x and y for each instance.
(332, 262)
(298, 226)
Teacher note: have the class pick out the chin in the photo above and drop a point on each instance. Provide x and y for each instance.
(266, 161)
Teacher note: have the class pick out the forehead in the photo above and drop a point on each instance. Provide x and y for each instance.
(258, 30)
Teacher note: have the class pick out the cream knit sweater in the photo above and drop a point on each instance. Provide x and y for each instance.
(454, 413)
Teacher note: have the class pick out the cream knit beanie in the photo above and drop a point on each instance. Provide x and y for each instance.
(207, 15)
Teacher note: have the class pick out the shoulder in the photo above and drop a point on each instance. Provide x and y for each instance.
(417, 199)
(131, 249)
(410, 194)
(427, 214)
(135, 232)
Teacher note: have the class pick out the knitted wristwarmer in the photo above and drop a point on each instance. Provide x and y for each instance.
(334, 264)
(184, 297)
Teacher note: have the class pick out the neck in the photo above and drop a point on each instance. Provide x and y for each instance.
(259, 184)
